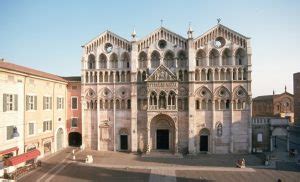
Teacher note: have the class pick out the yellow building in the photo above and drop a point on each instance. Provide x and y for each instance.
(44, 109)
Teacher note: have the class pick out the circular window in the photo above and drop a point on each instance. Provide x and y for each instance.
(91, 93)
(222, 93)
(108, 47)
(203, 93)
(162, 44)
(240, 93)
(219, 42)
(123, 93)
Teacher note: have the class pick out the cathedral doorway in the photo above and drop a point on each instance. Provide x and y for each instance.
(162, 138)
(162, 133)
(124, 142)
(204, 136)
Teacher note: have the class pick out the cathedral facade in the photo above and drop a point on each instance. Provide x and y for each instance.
(166, 92)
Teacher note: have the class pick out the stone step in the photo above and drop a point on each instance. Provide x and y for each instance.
(162, 155)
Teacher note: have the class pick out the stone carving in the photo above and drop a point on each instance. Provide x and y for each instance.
(162, 73)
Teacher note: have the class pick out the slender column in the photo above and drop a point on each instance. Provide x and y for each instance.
(288, 141)
(98, 124)
(213, 127)
(148, 138)
(271, 143)
(219, 74)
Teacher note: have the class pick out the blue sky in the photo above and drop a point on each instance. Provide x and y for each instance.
(47, 34)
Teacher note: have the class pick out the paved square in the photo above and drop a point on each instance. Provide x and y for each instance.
(110, 166)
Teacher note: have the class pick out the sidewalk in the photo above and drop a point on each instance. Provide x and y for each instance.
(203, 160)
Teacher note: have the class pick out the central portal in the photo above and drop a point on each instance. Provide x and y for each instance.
(162, 139)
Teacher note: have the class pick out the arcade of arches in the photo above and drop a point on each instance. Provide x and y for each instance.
(166, 92)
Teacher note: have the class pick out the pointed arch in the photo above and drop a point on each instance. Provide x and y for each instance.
(155, 59)
(240, 57)
(169, 59)
(125, 58)
(91, 61)
(214, 57)
(182, 59)
(113, 60)
(200, 58)
(102, 61)
(142, 60)
(226, 57)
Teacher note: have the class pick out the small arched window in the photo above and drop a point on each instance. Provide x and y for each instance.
(219, 130)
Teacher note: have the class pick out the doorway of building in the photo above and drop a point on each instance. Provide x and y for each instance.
(162, 139)
(75, 139)
(203, 143)
(124, 142)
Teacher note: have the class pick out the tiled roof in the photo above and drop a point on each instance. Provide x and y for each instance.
(30, 71)
(263, 97)
(73, 78)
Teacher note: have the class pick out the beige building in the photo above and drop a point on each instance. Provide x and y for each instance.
(166, 92)
(43, 108)
(276, 105)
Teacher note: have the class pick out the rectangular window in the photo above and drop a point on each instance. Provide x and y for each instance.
(60, 103)
(47, 126)
(9, 132)
(31, 102)
(74, 122)
(259, 137)
(10, 102)
(47, 102)
(74, 103)
(31, 129)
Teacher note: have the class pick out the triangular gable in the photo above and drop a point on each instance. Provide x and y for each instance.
(162, 33)
(162, 73)
(221, 27)
(108, 36)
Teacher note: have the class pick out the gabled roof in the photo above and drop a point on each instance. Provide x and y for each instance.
(162, 73)
(105, 33)
(224, 27)
(162, 29)
(72, 78)
(30, 71)
(263, 97)
(270, 97)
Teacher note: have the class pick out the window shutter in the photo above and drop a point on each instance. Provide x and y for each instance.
(44, 102)
(50, 102)
(35, 102)
(50, 123)
(62, 103)
(44, 126)
(57, 99)
(16, 102)
(4, 102)
(27, 102)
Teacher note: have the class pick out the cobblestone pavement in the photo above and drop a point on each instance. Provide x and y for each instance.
(110, 166)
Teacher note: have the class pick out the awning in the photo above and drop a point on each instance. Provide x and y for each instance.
(9, 150)
(22, 158)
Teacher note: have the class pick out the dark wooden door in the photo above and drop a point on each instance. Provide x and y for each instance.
(162, 139)
(124, 142)
(204, 143)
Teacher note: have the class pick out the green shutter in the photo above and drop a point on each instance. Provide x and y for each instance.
(44, 102)
(16, 102)
(4, 102)
(57, 99)
(50, 102)
(27, 102)
(62, 103)
(35, 102)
